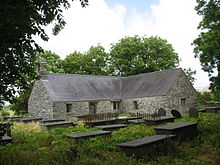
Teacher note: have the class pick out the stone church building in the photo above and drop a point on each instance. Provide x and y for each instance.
(64, 96)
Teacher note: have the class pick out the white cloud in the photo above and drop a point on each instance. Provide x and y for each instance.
(174, 20)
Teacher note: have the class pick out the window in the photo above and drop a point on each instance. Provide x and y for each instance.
(135, 104)
(183, 102)
(68, 108)
(115, 105)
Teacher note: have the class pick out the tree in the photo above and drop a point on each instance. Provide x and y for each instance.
(53, 62)
(20, 103)
(92, 62)
(190, 74)
(208, 42)
(134, 55)
(19, 22)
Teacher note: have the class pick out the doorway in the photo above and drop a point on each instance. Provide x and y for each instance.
(92, 108)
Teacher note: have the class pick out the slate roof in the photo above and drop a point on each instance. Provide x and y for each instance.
(73, 87)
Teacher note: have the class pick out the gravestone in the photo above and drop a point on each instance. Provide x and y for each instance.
(193, 112)
(146, 146)
(176, 113)
(211, 110)
(183, 130)
(159, 120)
(162, 112)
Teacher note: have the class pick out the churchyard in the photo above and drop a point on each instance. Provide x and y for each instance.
(115, 140)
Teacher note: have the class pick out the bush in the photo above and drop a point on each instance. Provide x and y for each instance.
(5, 128)
(5, 113)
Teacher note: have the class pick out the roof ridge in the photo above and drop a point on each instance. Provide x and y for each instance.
(148, 73)
(83, 75)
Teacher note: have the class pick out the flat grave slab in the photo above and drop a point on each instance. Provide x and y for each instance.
(64, 124)
(146, 146)
(100, 122)
(29, 120)
(212, 110)
(159, 120)
(124, 119)
(88, 134)
(11, 118)
(111, 127)
(5, 139)
(137, 121)
(183, 130)
(51, 120)
(201, 110)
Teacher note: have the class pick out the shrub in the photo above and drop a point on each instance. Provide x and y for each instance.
(5, 128)
(5, 113)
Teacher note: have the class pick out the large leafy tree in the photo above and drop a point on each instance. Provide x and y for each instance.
(20, 20)
(92, 62)
(53, 61)
(208, 42)
(134, 55)
(20, 103)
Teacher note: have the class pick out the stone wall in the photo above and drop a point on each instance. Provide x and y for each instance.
(181, 89)
(40, 104)
(104, 107)
(79, 108)
(144, 105)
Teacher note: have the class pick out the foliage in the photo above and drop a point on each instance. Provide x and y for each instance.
(216, 95)
(207, 96)
(19, 22)
(4, 128)
(1, 107)
(5, 113)
(190, 74)
(20, 103)
(7, 109)
(53, 61)
(209, 136)
(132, 132)
(207, 43)
(92, 62)
(32, 145)
(204, 97)
(134, 55)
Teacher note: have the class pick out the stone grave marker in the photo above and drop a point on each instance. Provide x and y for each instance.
(193, 112)
(162, 112)
(176, 113)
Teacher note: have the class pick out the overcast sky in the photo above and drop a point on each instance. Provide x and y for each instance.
(106, 21)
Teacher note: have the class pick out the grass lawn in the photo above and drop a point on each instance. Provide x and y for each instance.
(33, 146)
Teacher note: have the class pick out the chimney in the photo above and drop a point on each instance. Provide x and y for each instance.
(42, 68)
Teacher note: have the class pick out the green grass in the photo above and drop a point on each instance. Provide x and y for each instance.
(32, 145)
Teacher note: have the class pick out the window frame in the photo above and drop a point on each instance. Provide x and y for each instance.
(116, 105)
(183, 102)
(68, 108)
(135, 103)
